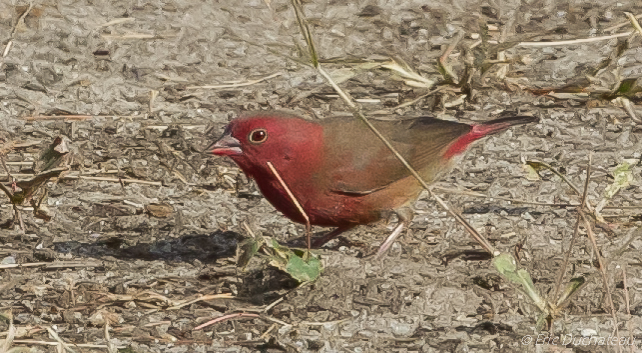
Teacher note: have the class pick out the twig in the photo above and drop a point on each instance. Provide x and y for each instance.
(135, 36)
(205, 297)
(272, 305)
(269, 318)
(446, 71)
(21, 18)
(11, 334)
(157, 323)
(116, 22)
(573, 41)
(628, 307)
(625, 103)
(26, 144)
(60, 341)
(267, 332)
(620, 25)
(308, 227)
(79, 345)
(115, 180)
(223, 318)
(602, 269)
(560, 276)
(334, 322)
(633, 234)
(634, 22)
(248, 83)
(57, 117)
(562, 270)
(52, 265)
(110, 346)
(562, 176)
(80, 117)
(248, 229)
(409, 103)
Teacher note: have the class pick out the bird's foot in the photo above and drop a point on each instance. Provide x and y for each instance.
(405, 215)
(383, 248)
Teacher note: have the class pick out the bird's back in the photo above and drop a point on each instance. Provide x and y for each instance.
(361, 163)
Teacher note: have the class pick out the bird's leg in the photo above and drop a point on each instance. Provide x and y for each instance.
(333, 234)
(405, 215)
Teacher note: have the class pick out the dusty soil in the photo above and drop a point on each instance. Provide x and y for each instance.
(119, 260)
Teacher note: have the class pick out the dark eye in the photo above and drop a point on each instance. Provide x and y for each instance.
(258, 136)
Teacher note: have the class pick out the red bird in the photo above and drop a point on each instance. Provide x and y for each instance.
(338, 170)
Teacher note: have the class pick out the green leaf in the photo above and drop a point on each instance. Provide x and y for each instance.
(572, 286)
(628, 88)
(303, 271)
(505, 263)
(247, 250)
(623, 176)
(507, 266)
(531, 173)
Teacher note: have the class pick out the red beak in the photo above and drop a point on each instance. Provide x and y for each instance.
(225, 146)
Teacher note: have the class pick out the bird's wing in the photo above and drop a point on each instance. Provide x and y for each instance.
(358, 163)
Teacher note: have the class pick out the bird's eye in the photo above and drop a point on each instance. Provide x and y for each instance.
(258, 136)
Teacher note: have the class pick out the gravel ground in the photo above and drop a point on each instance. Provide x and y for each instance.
(136, 240)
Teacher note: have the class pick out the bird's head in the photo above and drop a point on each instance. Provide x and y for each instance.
(253, 140)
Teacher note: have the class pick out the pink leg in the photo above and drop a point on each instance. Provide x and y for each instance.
(405, 216)
(389, 241)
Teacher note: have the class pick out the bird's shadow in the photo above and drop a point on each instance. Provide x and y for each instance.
(206, 248)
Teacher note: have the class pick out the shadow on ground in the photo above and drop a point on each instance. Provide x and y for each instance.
(206, 248)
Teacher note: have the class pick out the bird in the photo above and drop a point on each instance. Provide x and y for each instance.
(338, 171)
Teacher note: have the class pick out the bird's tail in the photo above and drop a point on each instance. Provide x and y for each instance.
(485, 129)
(498, 125)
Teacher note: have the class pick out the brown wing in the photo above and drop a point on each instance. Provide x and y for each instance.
(358, 163)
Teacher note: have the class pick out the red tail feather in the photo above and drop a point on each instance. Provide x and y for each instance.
(485, 129)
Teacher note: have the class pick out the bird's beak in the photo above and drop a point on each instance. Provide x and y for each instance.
(225, 146)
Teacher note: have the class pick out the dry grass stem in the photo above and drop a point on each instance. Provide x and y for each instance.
(79, 345)
(57, 117)
(620, 25)
(308, 226)
(628, 307)
(21, 18)
(602, 268)
(11, 334)
(446, 71)
(634, 22)
(203, 298)
(248, 229)
(224, 318)
(626, 104)
(133, 36)
(562, 176)
(272, 305)
(9, 45)
(573, 41)
(567, 255)
(62, 264)
(114, 180)
(116, 22)
(60, 341)
(562, 271)
(248, 83)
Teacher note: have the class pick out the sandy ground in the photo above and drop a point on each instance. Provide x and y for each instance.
(142, 224)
